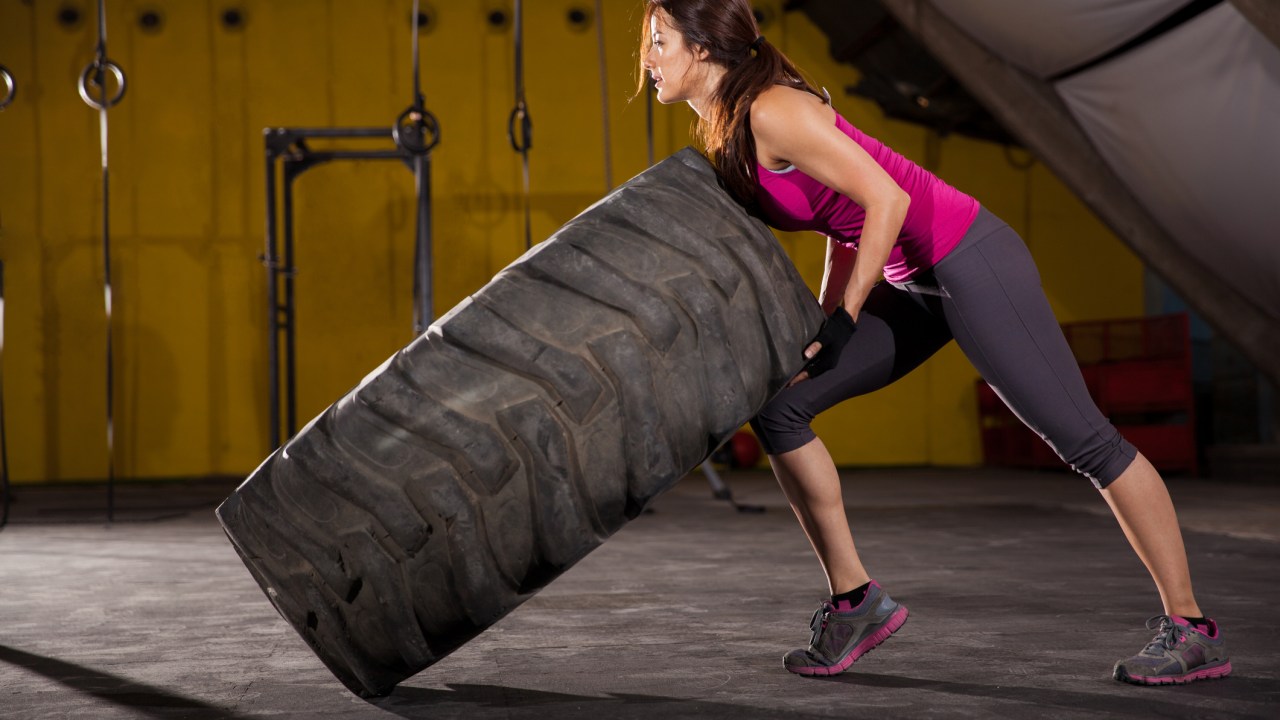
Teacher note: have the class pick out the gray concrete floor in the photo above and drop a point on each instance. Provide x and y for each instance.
(1022, 593)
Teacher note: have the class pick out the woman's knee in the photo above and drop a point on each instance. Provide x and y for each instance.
(783, 425)
(1100, 455)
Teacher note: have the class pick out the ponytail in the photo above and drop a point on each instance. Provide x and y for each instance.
(726, 131)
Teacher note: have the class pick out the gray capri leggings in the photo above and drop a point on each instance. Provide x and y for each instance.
(986, 295)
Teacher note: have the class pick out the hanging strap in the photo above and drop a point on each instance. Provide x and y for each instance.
(417, 132)
(95, 73)
(604, 96)
(523, 141)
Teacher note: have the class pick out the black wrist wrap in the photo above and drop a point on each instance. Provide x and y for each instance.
(833, 336)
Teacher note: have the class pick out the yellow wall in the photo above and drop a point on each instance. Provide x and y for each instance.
(187, 217)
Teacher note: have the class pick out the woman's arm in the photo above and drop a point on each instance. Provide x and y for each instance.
(835, 276)
(793, 126)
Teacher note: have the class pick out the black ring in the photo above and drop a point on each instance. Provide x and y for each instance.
(430, 127)
(94, 68)
(525, 142)
(11, 87)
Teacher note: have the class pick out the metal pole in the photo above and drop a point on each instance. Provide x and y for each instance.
(273, 299)
(290, 315)
(422, 289)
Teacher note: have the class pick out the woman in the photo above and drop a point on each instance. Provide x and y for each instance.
(953, 271)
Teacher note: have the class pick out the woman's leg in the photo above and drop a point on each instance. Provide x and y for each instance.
(809, 479)
(1142, 505)
(1002, 321)
(896, 332)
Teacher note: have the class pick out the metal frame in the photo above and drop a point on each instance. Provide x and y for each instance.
(288, 147)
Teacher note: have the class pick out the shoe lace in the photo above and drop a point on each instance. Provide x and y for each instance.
(819, 623)
(1168, 633)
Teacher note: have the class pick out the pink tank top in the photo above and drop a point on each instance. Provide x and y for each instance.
(937, 219)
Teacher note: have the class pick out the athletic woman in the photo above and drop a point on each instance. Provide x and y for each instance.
(952, 271)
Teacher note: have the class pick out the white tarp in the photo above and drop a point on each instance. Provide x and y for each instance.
(1191, 123)
(1046, 37)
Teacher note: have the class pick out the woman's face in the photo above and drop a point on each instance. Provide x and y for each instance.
(673, 65)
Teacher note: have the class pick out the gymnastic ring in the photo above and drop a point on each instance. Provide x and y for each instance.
(10, 85)
(525, 142)
(424, 125)
(92, 69)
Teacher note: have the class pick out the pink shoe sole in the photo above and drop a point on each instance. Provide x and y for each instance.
(897, 620)
(1208, 673)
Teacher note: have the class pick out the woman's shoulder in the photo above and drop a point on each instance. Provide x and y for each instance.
(780, 107)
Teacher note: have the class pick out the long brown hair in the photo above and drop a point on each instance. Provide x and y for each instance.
(727, 30)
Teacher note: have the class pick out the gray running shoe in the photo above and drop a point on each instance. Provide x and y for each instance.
(1180, 653)
(843, 634)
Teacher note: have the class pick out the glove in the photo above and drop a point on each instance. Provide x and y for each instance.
(834, 335)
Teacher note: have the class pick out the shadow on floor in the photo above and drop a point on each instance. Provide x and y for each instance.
(146, 700)
(495, 701)
(1149, 701)
(486, 701)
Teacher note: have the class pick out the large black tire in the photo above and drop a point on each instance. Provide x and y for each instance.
(524, 427)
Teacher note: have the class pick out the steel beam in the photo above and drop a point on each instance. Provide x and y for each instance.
(1264, 14)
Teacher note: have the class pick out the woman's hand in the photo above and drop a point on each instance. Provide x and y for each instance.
(823, 353)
